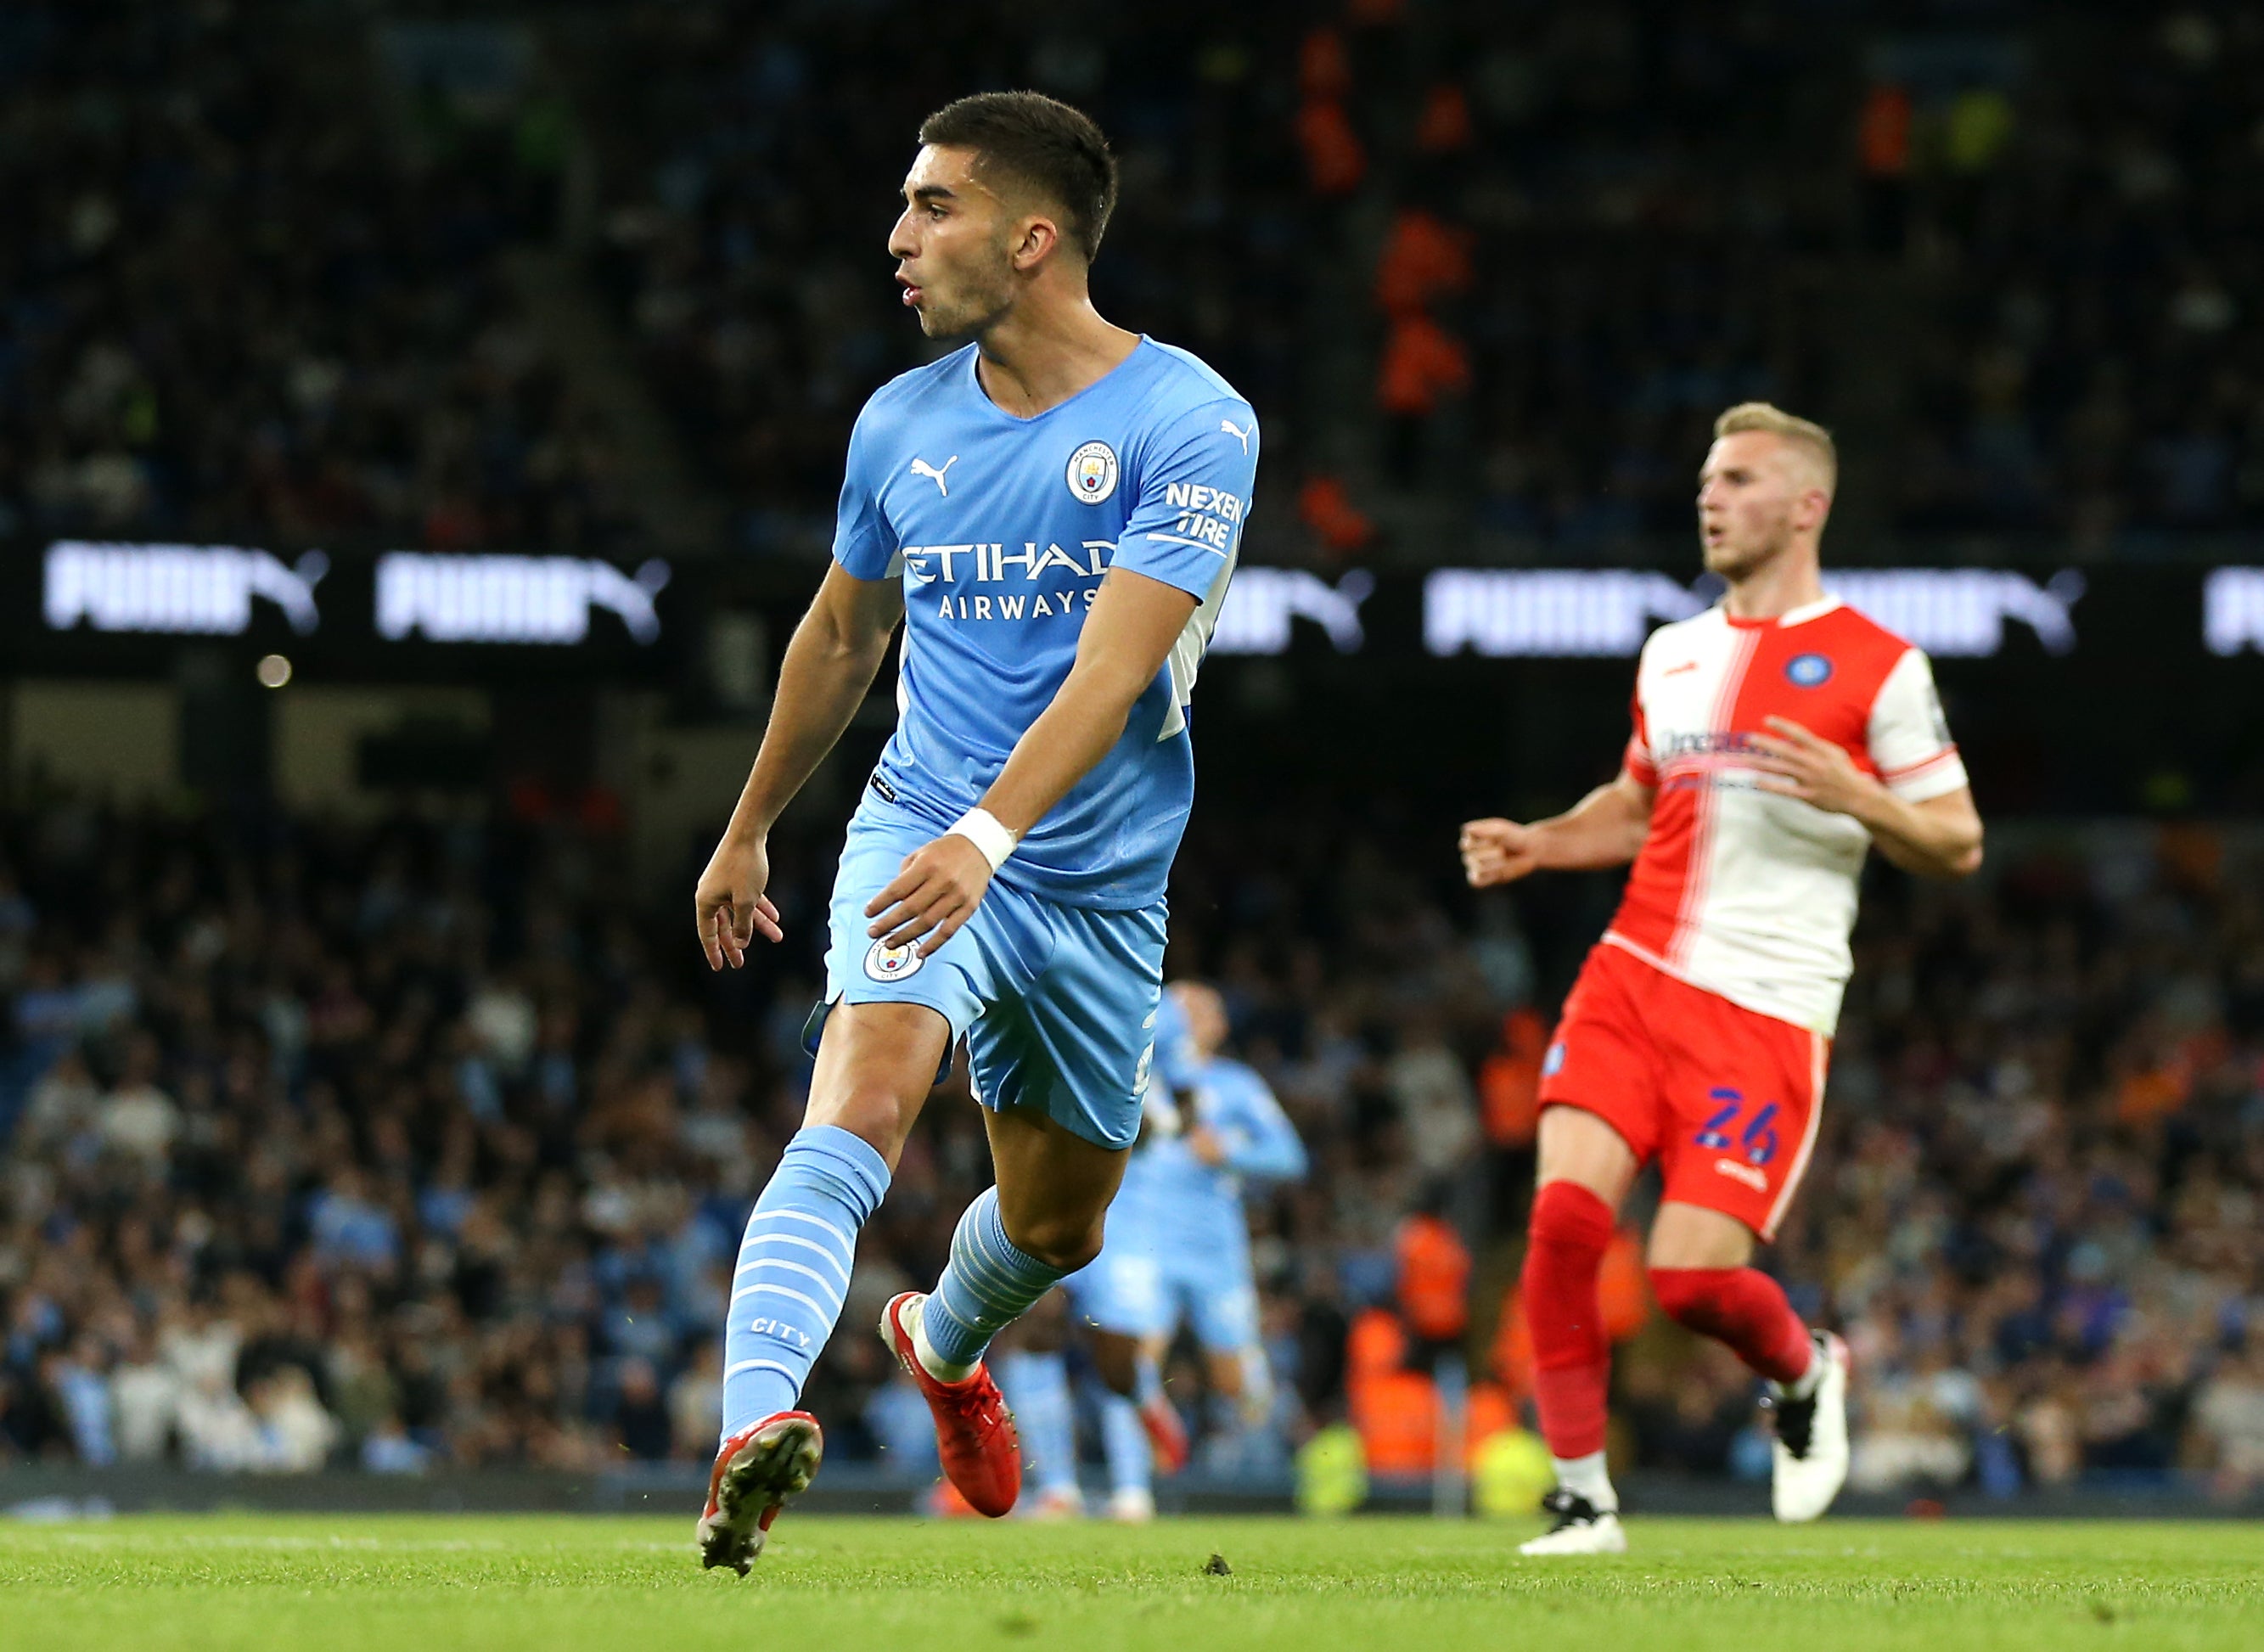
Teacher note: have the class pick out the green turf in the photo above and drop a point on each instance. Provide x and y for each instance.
(420, 1584)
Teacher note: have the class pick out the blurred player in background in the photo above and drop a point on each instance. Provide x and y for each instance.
(1777, 736)
(1053, 512)
(1177, 1251)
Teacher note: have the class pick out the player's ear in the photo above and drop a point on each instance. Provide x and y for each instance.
(1040, 237)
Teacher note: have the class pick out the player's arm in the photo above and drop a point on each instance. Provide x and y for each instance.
(1256, 1139)
(1936, 836)
(1604, 828)
(828, 669)
(1126, 638)
(1919, 809)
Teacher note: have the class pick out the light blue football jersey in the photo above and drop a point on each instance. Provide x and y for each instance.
(1001, 529)
(1172, 1204)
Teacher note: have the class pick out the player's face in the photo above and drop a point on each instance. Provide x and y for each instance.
(1752, 493)
(1206, 1013)
(953, 245)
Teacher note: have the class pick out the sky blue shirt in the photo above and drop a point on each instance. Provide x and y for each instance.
(1185, 1207)
(1001, 528)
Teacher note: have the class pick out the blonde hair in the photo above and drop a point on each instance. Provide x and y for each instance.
(1807, 433)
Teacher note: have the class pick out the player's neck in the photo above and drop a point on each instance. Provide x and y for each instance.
(1777, 588)
(1042, 352)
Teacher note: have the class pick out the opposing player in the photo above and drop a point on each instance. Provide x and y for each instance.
(1179, 1245)
(1777, 736)
(1053, 511)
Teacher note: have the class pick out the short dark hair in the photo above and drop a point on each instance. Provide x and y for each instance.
(1039, 142)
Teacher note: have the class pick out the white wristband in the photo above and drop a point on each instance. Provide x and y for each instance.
(981, 828)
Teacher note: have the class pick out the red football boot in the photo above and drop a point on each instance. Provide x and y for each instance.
(974, 1431)
(756, 1471)
(1167, 1436)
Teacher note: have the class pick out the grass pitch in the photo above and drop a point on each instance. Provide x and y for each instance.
(335, 1584)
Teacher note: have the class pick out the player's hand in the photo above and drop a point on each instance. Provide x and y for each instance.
(934, 894)
(1497, 851)
(1208, 1146)
(1795, 763)
(729, 905)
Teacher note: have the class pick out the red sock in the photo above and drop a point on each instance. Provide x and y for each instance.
(1571, 1356)
(1744, 1308)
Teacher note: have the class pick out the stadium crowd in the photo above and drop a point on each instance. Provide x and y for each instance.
(261, 283)
(419, 1144)
(1581, 233)
(255, 288)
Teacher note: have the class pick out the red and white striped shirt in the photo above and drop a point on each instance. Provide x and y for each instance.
(1743, 892)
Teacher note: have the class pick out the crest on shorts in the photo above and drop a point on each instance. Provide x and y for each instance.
(884, 962)
(1092, 472)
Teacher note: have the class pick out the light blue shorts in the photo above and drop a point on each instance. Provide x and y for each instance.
(1057, 1003)
(1134, 1292)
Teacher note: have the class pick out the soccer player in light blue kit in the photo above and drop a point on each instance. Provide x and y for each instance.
(1052, 512)
(1179, 1244)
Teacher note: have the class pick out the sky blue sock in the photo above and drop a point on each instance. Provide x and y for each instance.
(1126, 1443)
(794, 1268)
(1147, 1380)
(1036, 1387)
(987, 1286)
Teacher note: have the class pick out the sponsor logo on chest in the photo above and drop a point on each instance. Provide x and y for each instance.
(1026, 582)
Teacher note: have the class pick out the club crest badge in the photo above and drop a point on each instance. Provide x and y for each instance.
(884, 962)
(1092, 472)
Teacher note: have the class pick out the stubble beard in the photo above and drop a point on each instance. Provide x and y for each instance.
(1738, 563)
(980, 300)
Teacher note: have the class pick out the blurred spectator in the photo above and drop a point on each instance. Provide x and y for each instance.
(145, 1399)
(294, 1434)
(388, 1450)
(695, 1403)
(641, 1417)
(2229, 1420)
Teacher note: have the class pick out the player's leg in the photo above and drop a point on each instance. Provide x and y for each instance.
(1586, 1168)
(1223, 1311)
(1700, 1263)
(1600, 1120)
(1731, 1170)
(1121, 1300)
(1159, 1415)
(1125, 1444)
(881, 1039)
(1034, 1375)
(1039, 1223)
(1059, 1069)
(875, 1065)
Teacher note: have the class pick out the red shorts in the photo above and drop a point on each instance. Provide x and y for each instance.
(1726, 1098)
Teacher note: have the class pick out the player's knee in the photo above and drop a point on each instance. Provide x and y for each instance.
(869, 1107)
(1687, 1296)
(1567, 1216)
(1066, 1241)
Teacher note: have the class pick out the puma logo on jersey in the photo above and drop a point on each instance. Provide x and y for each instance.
(921, 468)
(1677, 671)
(1228, 427)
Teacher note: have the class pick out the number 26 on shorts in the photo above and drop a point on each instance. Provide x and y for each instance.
(1756, 1142)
